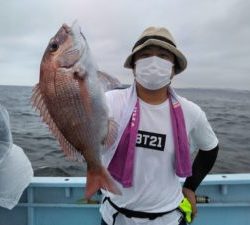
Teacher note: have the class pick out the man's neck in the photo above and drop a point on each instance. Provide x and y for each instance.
(153, 97)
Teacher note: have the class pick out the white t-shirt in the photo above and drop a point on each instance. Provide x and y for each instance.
(156, 187)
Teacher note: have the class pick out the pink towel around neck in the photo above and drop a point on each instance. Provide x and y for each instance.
(122, 164)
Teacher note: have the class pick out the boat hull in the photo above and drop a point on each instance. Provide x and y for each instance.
(59, 201)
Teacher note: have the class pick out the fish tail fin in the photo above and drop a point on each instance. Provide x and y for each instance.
(101, 179)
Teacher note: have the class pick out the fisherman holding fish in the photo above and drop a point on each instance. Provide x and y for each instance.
(158, 130)
(136, 141)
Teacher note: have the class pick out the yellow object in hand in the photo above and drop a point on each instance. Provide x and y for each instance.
(186, 208)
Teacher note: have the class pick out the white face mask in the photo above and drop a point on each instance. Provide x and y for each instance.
(153, 72)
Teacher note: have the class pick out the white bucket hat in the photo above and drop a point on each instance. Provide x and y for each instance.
(158, 36)
(15, 168)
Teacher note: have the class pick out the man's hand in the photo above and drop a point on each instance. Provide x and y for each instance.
(190, 195)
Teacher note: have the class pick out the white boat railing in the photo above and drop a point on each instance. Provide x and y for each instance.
(59, 201)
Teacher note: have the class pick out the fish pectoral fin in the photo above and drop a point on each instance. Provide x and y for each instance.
(100, 179)
(108, 82)
(111, 135)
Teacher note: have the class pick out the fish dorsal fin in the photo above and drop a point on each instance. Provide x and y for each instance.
(40, 105)
(111, 135)
(108, 82)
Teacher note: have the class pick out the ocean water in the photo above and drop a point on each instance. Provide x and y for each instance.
(227, 110)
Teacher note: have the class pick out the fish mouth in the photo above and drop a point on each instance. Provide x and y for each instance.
(74, 29)
(66, 28)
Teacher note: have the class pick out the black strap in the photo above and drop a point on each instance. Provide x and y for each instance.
(131, 213)
(114, 217)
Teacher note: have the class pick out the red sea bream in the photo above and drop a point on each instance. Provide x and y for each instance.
(71, 101)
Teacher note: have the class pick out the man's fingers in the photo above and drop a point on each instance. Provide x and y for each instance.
(194, 211)
(190, 195)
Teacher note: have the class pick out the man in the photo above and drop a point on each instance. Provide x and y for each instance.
(158, 130)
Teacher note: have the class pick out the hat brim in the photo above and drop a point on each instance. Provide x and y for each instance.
(15, 175)
(180, 64)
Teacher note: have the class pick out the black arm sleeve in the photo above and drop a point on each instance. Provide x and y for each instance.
(203, 163)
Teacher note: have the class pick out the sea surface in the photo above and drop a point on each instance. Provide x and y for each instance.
(227, 110)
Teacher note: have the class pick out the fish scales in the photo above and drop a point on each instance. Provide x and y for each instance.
(67, 108)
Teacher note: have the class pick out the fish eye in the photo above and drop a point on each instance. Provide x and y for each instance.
(53, 47)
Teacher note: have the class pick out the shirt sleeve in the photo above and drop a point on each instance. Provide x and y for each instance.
(202, 135)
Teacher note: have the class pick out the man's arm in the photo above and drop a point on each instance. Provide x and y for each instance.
(202, 164)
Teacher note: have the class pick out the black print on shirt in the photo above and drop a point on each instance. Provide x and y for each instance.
(150, 140)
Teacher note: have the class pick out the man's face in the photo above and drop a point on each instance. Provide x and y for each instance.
(149, 51)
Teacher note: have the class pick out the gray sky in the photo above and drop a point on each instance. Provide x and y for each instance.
(213, 34)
